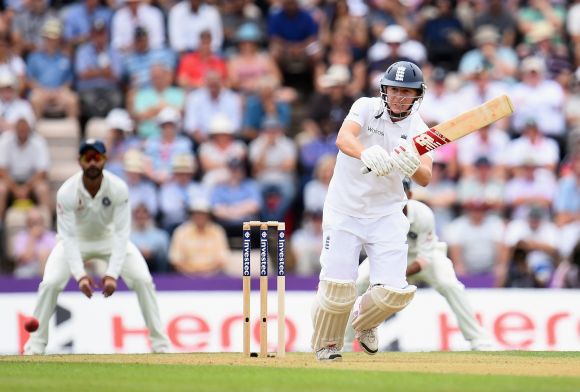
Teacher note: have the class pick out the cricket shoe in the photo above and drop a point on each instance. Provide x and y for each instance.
(368, 340)
(31, 349)
(330, 353)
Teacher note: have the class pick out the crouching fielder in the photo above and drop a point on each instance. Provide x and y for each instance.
(94, 221)
(366, 210)
(427, 262)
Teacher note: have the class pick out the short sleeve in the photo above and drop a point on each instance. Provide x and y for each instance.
(359, 111)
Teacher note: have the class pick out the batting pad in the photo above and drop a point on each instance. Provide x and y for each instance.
(330, 313)
(379, 303)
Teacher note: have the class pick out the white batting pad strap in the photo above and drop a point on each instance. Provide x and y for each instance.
(378, 304)
(330, 313)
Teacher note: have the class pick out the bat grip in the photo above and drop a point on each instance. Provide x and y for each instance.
(365, 170)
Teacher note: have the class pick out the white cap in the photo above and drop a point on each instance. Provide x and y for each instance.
(220, 124)
(199, 205)
(533, 64)
(7, 79)
(394, 34)
(336, 75)
(168, 115)
(119, 119)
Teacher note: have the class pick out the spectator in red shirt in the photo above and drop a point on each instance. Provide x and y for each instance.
(193, 67)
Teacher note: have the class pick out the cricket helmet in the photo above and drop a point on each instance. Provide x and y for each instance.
(403, 74)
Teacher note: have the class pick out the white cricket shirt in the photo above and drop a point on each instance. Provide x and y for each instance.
(366, 195)
(98, 226)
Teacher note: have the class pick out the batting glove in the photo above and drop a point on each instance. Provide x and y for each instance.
(406, 158)
(378, 160)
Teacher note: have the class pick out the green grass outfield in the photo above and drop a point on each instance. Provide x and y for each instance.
(409, 372)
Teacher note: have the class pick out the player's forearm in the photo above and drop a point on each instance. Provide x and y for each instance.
(423, 175)
(347, 140)
(122, 219)
(413, 268)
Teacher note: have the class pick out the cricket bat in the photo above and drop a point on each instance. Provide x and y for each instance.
(461, 125)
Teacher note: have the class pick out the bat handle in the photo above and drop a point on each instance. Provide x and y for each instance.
(365, 170)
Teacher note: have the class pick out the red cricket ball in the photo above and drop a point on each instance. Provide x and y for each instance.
(31, 324)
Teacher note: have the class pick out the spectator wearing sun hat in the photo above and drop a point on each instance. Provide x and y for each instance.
(489, 54)
(98, 70)
(163, 148)
(236, 200)
(273, 157)
(28, 23)
(221, 147)
(9, 99)
(532, 142)
(538, 98)
(120, 138)
(176, 194)
(199, 246)
(141, 190)
(24, 163)
(250, 65)
(530, 184)
(50, 75)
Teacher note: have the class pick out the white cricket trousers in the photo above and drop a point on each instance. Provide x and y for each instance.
(384, 240)
(440, 275)
(134, 273)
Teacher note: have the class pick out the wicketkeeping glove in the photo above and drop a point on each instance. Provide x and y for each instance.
(378, 160)
(406, 158)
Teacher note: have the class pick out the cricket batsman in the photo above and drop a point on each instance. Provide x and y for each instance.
(366, 210)
(94, 222)
(427, 262)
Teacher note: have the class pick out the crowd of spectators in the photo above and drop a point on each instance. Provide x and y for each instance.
(221, 111)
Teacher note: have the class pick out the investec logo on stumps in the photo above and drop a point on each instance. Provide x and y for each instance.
(247, 245)
(281, 252)
(264, 254)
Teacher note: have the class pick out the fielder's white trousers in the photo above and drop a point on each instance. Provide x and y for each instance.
(440, 275)
(384, 240)
(56, 275)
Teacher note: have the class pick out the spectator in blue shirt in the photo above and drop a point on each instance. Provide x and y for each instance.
(98, 70)
(50, 76)
(262, 105)
(236, 200)
(162, 149)
(567, 200)
(79, 18)
(176, 195)
(152, 242)
(141, 191)
(139, 61)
